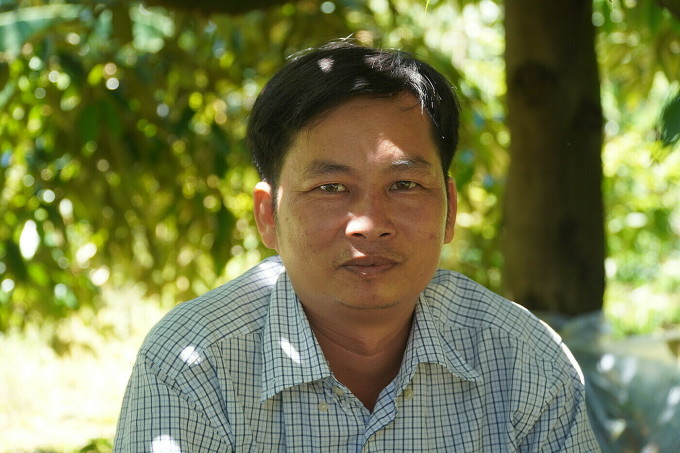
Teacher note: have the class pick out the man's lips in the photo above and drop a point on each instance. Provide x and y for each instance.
(369, 265)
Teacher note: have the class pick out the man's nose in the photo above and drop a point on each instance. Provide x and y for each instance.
(370, 219)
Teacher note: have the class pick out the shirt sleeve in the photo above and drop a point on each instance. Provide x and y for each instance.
(563, 425)
(157, 416)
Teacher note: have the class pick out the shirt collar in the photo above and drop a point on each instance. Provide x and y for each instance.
(426, 344)
(292, 356)
(290, 352)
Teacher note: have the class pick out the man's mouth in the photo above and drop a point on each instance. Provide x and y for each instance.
(369, 265)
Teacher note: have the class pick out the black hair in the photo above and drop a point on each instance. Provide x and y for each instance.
(315, 81)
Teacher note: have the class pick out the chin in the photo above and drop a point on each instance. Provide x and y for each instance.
(385, 306)
(374, 303)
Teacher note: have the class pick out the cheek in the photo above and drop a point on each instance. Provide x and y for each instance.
(307, 232)
(429, 225)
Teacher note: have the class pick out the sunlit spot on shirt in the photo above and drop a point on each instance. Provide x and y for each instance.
(290, 350)
(271, 273)
(574, 363)
(190, 355)
(165, 444)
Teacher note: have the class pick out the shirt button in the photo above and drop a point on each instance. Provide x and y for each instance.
(408, 394)
(323, 407)
(338, 392)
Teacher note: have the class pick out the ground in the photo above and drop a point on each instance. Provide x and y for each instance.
(61, 402)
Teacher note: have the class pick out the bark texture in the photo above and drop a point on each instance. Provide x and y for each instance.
(553, 239)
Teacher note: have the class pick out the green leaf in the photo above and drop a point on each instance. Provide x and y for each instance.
(15, 262)
(111, 118)
(669, 123)
(222, 245)
(4, 74)
(38, 274)
(18, 26)
(88, 122)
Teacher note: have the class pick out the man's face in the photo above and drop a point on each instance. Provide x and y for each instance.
(362, 205)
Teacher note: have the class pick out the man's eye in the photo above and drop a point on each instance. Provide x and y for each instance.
(403, 185)
(334, 187)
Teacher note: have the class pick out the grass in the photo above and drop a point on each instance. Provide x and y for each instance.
(52, 402)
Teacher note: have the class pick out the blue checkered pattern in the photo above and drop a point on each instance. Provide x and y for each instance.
(239, 369)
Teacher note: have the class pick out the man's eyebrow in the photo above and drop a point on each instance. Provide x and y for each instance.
(322, 167)
(414, 163)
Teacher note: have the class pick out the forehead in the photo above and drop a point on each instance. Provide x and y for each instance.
(367, 130)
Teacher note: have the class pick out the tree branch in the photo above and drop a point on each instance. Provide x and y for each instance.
(220, 7)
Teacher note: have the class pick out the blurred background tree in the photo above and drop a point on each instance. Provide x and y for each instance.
(553, 216)
(122, 155)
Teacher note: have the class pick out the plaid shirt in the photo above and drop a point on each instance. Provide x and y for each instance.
(239, 369)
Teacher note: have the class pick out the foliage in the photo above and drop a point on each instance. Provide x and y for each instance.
(641, 162)
(669, 122)
(121, 155)
(109, 168)
(121, 136)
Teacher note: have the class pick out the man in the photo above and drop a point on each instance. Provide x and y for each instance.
(351, 339)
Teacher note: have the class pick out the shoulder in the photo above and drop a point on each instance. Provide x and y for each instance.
(459, 303)
(237, 308)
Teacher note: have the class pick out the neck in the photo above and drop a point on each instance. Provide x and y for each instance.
(364, 356)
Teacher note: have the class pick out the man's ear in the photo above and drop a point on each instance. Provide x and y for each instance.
(263, 209)
(452, 209)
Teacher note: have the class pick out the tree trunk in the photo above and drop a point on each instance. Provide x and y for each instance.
(553, 240)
